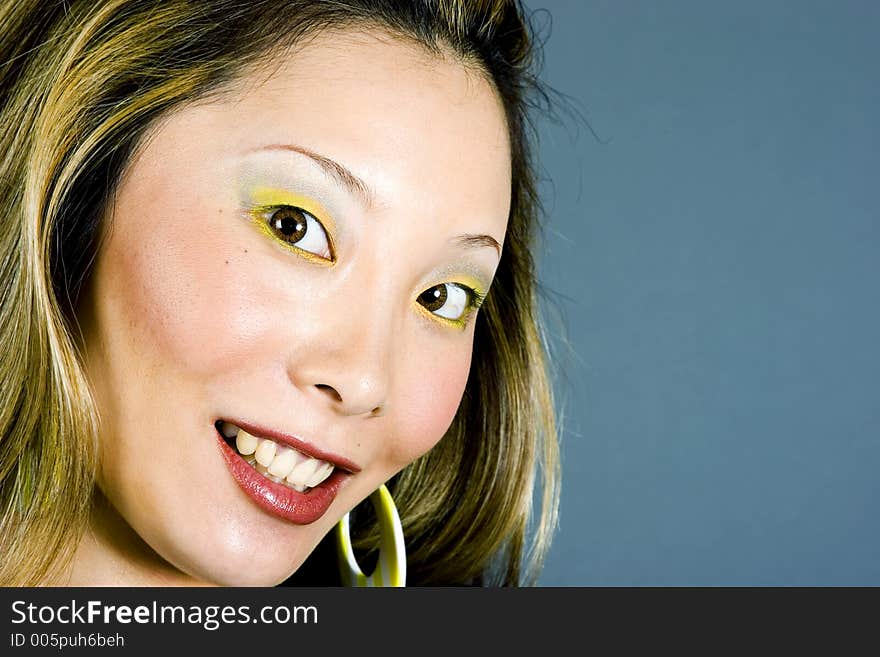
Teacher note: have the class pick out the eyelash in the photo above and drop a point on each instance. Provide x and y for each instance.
(266, 214)
(474, 301)
(474, 298)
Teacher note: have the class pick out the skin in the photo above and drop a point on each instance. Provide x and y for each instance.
(195, 312)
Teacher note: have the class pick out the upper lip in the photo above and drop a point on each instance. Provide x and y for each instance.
(296, 443)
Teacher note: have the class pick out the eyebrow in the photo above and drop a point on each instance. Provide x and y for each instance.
(351, 182)
(360, 188)
(477, 241)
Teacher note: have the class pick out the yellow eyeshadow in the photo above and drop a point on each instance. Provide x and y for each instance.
(262, 198)
(469, 281)
(308, 255)
(460, 324)
(265, 196)
(472, 307)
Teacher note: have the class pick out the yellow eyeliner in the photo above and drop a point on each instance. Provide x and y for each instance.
(471, 282)
(263, 195)
(263, 198)
(462, 280)
(460, 324)
(263, 227)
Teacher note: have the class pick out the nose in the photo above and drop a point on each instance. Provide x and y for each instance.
(346, 361)
(358, 397)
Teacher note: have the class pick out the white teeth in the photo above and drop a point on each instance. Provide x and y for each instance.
(266, 452)
(283, 462)
(278, 463)
(303, 471)
(246, 443)
(321, 473)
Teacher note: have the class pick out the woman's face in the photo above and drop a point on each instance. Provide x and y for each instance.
(292, 260)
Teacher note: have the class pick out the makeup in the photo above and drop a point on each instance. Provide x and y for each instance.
(261, 202)
(273, 177)
(278, 499)
(475, 297)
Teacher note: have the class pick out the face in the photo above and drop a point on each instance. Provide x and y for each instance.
(300, 261)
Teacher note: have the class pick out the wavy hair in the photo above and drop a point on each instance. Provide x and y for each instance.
(81, 83)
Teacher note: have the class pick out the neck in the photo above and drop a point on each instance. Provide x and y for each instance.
(111, 553)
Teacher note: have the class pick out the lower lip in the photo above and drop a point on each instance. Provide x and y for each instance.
(278, 499)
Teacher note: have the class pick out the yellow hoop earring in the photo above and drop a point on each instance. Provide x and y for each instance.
(391, 566)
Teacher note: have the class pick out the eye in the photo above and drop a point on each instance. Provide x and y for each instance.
(449, 300)
(298, 228)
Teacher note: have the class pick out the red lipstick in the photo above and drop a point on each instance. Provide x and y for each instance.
(298, 444)
(278, 499)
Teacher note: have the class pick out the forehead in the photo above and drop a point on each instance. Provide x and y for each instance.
(425, 131)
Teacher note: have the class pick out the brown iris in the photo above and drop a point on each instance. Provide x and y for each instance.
(434, 298)
(290, 222)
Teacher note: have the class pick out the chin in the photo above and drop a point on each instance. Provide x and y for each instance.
(260, 568)
(225, 550)
(247, 577)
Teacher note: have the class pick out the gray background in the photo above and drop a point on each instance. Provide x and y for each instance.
(715, 256)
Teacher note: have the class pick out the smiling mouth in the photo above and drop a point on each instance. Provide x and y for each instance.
(320, 474)
(276, 461)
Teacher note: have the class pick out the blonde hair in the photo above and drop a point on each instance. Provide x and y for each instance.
(80, 84)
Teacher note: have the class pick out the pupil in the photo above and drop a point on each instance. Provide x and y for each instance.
(289, 223)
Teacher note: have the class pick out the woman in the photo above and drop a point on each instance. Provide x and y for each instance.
(247, 258)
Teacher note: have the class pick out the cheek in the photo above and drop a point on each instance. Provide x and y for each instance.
(178, 292)
(430, 397)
